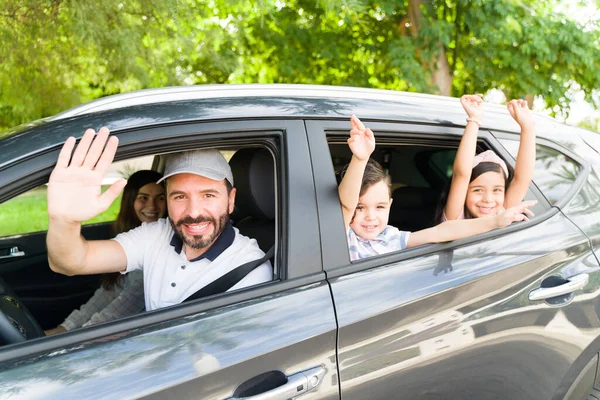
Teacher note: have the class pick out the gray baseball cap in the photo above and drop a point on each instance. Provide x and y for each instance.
(208, 163)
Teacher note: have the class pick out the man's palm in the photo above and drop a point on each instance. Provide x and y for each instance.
(74, 189)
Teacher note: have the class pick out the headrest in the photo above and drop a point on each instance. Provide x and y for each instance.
(414, 197)
(254, 177)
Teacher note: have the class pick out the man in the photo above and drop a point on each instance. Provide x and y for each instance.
(192, 248)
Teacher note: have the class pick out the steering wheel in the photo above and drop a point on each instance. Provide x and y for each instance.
(16, 322)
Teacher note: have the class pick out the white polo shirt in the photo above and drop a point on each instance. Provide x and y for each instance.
(169, 278)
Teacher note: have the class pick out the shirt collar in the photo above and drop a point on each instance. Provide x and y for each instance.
(224, 240)
(382, 237)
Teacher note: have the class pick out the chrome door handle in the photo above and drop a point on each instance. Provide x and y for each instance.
(296, 385)
(574, 283)
(13, 252)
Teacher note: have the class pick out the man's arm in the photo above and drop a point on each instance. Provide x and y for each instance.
(458, 229)
(74, 196)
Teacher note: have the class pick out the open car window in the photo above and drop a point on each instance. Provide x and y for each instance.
(52, 297)
(28, 212)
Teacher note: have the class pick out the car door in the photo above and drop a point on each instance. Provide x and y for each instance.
(466, 319)
(276, 340)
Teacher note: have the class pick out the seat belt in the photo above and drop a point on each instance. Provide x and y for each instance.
(230, 279)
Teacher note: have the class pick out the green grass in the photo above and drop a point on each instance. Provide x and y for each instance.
(28, 213)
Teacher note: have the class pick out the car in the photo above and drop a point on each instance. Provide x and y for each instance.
(510, 314)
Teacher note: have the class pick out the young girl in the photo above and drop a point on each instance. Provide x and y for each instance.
(483, 184)
(365, 195)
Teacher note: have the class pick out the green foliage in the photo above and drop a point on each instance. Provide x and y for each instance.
(57, 54)
(28, 213)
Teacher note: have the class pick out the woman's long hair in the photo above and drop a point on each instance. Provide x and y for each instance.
(479, 170)
(127, 218)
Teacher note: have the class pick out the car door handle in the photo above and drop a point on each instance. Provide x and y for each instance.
(296, 385)
(12, 252)
(573, 283)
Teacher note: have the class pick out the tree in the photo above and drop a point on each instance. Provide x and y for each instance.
(450, 47)
(58, 53)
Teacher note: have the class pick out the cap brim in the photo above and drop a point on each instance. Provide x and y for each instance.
(207, 173)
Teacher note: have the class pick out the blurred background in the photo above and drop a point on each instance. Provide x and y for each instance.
(56, 54)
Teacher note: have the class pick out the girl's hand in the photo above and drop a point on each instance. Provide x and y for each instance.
(362, 140)
(473, 105)
(519, 110)
(515, 214)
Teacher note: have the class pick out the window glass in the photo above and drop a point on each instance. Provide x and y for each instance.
(442, 162)
(554, 172)
(28, 212)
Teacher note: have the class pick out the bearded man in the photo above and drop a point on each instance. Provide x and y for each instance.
(179, 255)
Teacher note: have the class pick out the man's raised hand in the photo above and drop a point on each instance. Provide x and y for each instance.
(362, 140)
(74, 189)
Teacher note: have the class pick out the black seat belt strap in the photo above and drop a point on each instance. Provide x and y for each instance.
(230, 279)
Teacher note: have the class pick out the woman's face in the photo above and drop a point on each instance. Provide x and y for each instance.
(150, 204)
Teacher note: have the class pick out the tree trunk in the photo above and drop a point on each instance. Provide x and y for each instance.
(529, 98)
(441, 76)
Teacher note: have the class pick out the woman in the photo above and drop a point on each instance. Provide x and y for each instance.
(122, 295)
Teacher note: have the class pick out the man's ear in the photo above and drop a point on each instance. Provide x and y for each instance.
(231, 200)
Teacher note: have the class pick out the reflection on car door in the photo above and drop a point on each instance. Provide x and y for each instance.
(459, 323)
(202, 356)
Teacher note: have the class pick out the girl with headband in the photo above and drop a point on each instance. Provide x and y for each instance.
(483, 184)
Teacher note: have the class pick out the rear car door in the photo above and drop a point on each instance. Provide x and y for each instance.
(276, 339)
(460, 320)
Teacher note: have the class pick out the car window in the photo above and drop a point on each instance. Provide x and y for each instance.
(554, 172)
(442, 161)
(27, 213)
(418, 175)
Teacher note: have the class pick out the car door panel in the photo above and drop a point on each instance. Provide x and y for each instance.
(461, 325)
(456, 322)
(204, 357)
(582, 209)
(49, 296)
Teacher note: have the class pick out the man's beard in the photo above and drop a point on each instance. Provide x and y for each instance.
(200, 241)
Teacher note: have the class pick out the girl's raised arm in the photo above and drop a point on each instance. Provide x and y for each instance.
(362, 144)
(463, 162)
(525, 164)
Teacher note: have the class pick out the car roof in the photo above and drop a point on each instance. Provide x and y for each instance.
(154, 107)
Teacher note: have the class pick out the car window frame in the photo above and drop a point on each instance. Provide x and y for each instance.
(336, 259)
(296, 272)
(575, 187)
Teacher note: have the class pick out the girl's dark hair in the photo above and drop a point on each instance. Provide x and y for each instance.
(374, 173)
(479, 170)
(127, 218)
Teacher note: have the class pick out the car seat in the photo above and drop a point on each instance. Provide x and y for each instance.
(254, 179)
(413, 208)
